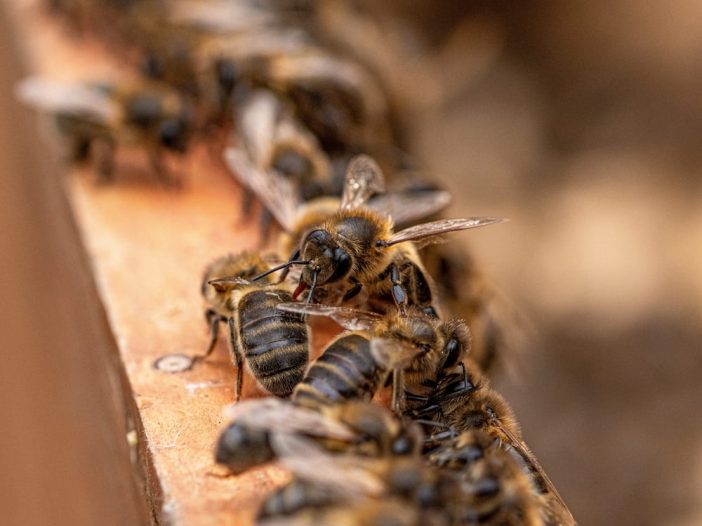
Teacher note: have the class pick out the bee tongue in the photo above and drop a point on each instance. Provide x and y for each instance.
(300, 288)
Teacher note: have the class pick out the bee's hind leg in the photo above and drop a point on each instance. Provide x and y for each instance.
(238, 359)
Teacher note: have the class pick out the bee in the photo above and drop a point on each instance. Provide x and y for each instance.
(497, 490)
(273, 344)
(103, 116)
(351, 427)
(469, 481)
(356, 246)
(278, 143)
(415, 347)
(286, 201)
(464, 401)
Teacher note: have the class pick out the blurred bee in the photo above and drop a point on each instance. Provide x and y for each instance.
(278, 144)
(327, 487)
(351, 427)
(357, 246)
(103, 116)
(415, 347)
(272, 343)
(497, 491)
(500, 333)
(464, 401)
(469, 481)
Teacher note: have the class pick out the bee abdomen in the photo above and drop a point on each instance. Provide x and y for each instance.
(346, 370)
(273, 342)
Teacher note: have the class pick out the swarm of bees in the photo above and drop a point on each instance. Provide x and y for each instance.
(312, 133)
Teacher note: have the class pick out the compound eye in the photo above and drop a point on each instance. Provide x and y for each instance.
(318, 236)
(342, 264)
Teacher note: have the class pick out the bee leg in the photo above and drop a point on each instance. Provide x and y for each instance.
(213, 320)
(399, 294)
(398, 391)
(80, 149)
(105, 159)
(353, 291)
(238, 359)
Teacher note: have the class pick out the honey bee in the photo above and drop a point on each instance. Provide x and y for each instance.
(497, 491)
(327, 483)
(356, 248)
(276, 142)
(103, 116)
(468, 481)
(272, 343)
(464, 401)
(415, 347)
(350, 427)
(298, 215)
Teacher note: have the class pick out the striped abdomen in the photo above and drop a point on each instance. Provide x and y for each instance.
(273, 342)
(345, 371)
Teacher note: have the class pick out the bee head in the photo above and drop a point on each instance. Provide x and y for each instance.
(328, 262)
(241, 448)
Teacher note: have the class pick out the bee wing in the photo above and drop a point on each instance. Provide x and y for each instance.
(80, 100)
(276, 193)
(408, 207)
(219, 15)
(556, 505)
(349, 319)
(363, 179)
(347, 476)
(282, 416)
(228, 283)
(392, 353)
(442, 226)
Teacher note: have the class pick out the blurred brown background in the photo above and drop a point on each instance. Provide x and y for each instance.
(581, 122)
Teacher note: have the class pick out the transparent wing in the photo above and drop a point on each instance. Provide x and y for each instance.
(409, 207)
(442, 226)
(556, 504)
(276, 193)
(80, 100)
(228, 283)
(219, 15)
(282, 416)
(345, 475)
(349, 319)
(363, 179)
(393, 353)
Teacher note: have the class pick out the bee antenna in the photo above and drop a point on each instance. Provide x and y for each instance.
(280, 267)
(312, 287)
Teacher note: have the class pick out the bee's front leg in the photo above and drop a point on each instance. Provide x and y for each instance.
(353, 291)
(399, 294)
